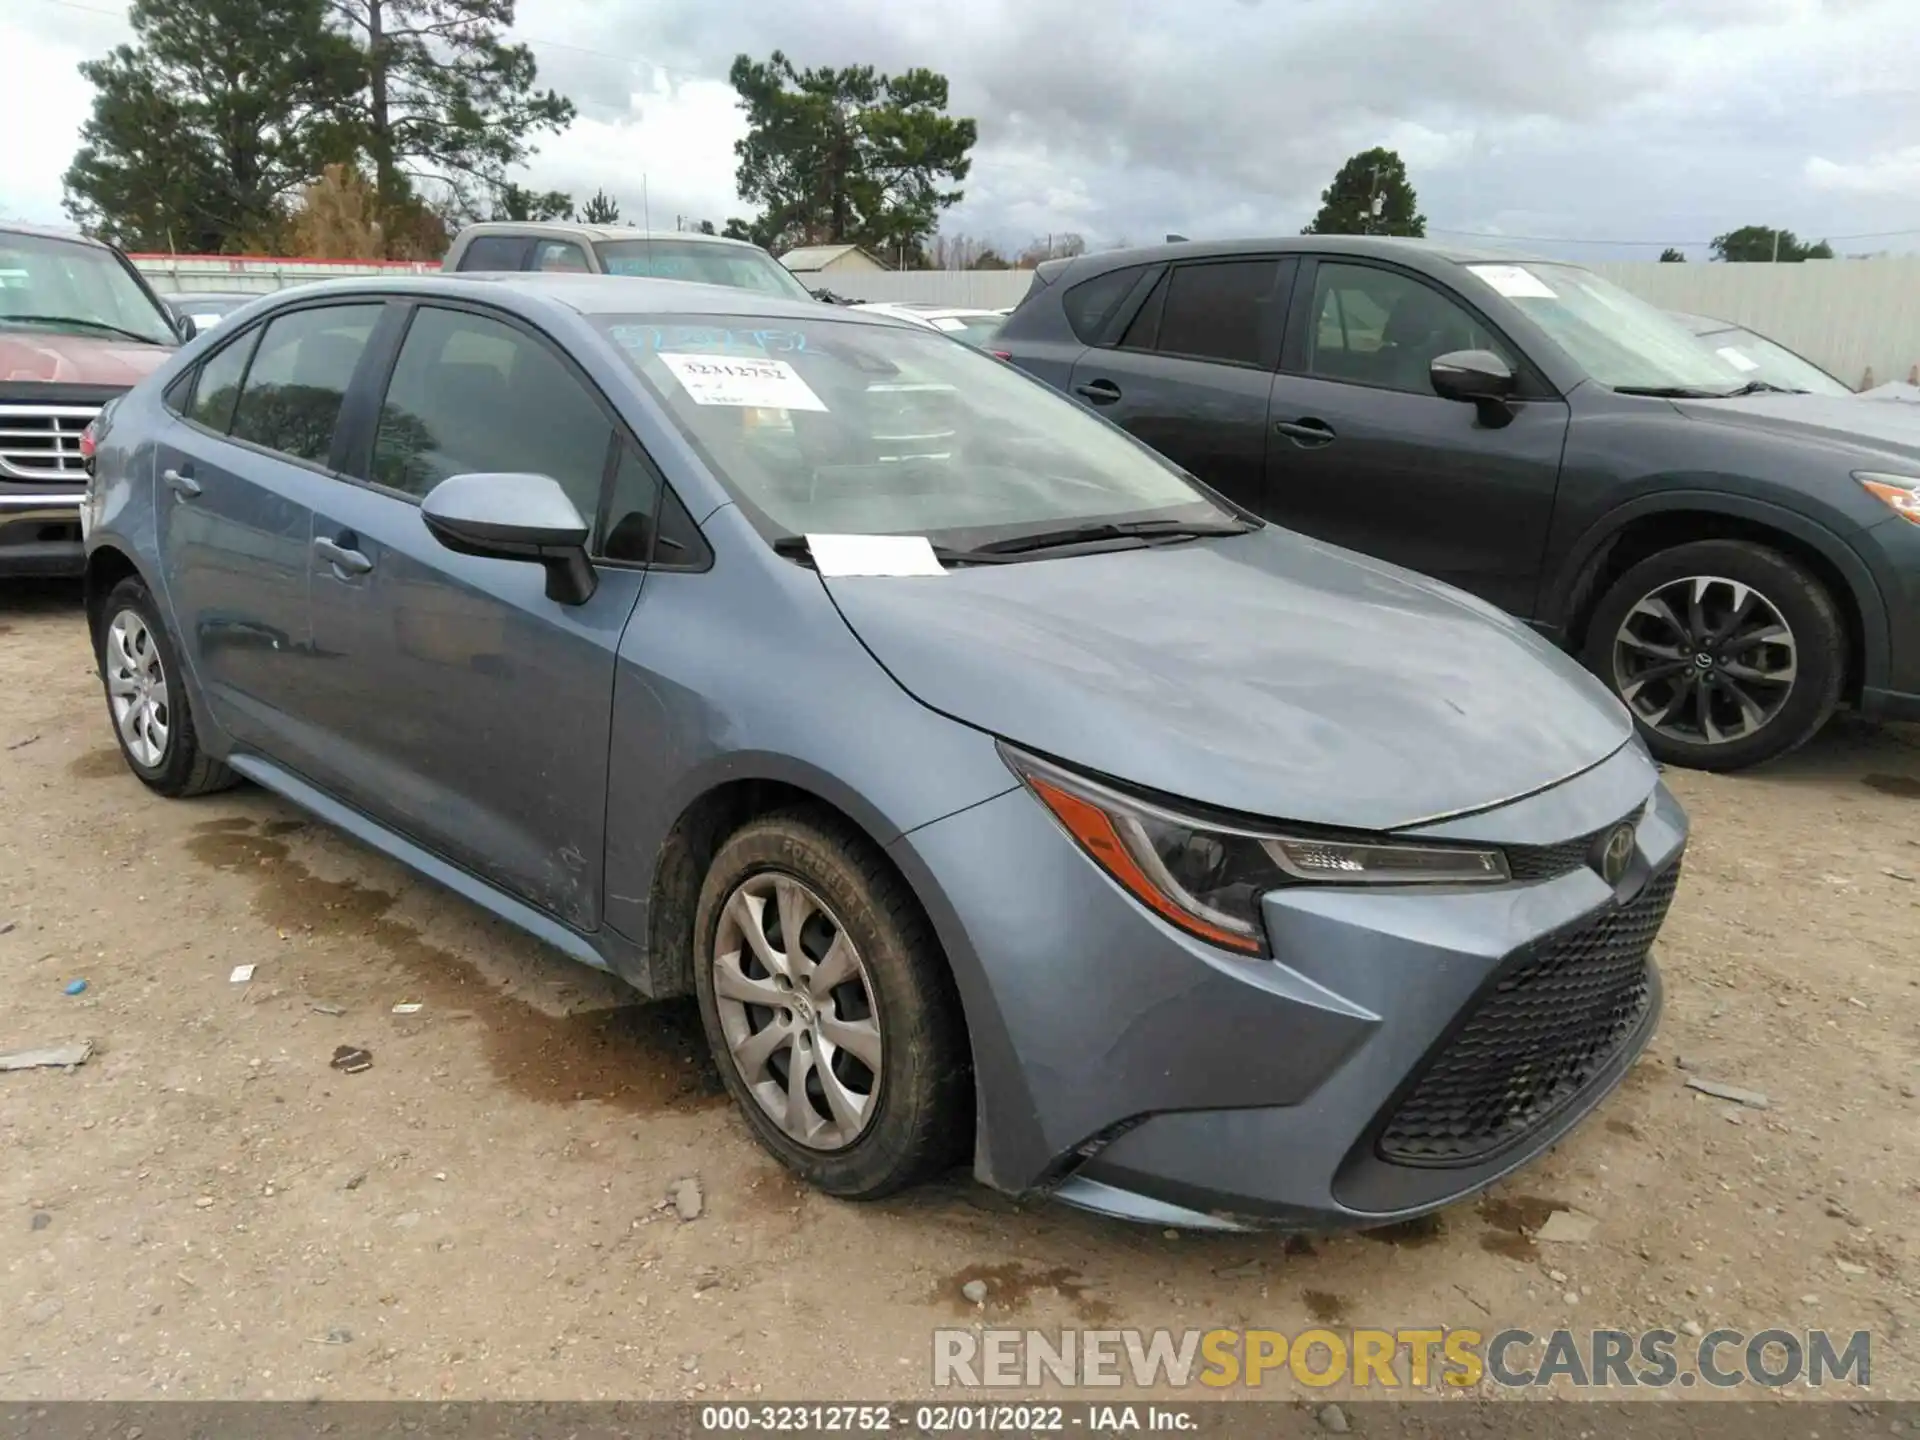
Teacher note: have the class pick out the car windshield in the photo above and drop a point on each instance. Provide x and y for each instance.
(1759, 358)
(975, 330)
(1617, 338)
(832, 426)
(739, 266)
(51, 284)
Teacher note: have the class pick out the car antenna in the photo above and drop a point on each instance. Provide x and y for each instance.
(646, 218)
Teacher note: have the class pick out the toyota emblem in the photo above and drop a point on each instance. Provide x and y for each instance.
(1615, 854)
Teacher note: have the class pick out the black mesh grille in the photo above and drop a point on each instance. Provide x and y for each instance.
(1534, 1041)
(1548, 862)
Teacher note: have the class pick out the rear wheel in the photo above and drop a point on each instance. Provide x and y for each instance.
(829, 1007)
(147, 697)
(1726, 652)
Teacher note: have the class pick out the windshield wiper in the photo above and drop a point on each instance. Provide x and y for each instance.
(1671, 392)
(83, 324)
(1763, 387)
(1111, 530)
(794, 547)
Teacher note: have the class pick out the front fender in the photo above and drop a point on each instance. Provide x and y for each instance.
(1589, 551)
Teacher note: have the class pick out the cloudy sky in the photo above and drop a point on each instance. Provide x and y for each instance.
(1579, 125)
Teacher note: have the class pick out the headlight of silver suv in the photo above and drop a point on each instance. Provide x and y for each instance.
(1208, 878)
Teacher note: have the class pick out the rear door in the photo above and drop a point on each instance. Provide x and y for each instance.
(250, 446)
(465, 709)
(1364, 454)
(1192, 372)
(1053, 327)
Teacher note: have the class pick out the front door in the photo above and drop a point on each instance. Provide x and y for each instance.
(1192, 374)
(462, 707)
(237, 472)
(1364, 454)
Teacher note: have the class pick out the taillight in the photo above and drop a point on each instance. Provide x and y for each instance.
(89, 444)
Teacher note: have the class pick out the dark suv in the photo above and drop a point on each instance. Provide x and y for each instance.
(1735, 560)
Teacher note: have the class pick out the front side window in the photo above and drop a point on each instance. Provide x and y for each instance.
(1618, 339)
(470, 393)
(299, 376)
(835, 426)
(52, 285)
(742, 267)
(1230, 310)
(1369, 326)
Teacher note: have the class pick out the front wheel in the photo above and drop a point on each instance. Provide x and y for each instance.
(1726, 652)
(829, 1007)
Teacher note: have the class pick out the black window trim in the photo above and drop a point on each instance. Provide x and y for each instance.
(1533, 382)
(1265, 365)
(360, 419)
(251, 335)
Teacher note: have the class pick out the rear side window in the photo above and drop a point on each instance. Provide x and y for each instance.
(299, 378)
(496, 252)
(218, 387)
(1232, 310)
(471, 393)
(1091, 304)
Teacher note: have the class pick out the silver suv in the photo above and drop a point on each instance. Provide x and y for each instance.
(621, 250)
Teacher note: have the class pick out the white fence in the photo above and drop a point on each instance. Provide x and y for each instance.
(1848, 316)
(259, 275)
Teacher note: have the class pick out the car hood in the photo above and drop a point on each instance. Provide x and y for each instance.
(1828, 419)
(46, 357)
(1265, 673)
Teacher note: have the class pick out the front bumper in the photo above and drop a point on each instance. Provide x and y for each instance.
(1126, 1068)
(40, 532)
(1891, 549)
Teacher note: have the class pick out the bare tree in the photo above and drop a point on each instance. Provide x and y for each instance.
(956, 252)
(1062, 245)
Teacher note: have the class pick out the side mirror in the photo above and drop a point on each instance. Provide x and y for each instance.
(1478, 377)
(515, 517)
(1470, 375)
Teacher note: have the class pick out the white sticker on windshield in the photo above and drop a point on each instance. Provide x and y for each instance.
(874, 555)
(1736, 359)
(1516, 282)
(948, 323)
(755, 384)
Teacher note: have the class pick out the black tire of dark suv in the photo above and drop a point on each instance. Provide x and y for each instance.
(1726, 652)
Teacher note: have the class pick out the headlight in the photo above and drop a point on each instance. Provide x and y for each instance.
(1900, 492)
(1208, 878)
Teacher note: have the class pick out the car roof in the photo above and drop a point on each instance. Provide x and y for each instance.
(49, 232)
(577, 230)
(1385, 247)
(1701, 324)
(595, 295)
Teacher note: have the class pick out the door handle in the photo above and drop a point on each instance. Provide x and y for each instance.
(1100, 392)
(343, 559)
(185, 486)
(1305, 432)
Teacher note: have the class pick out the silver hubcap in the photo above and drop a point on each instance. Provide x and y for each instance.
(1705, 660)
(137, 689)
(797, 1010)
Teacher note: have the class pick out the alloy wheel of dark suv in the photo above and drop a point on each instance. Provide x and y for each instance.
(1726, 652)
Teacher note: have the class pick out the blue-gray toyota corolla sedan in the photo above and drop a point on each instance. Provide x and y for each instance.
(999, 790)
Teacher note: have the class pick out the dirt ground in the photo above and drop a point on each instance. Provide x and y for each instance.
(206, 1209)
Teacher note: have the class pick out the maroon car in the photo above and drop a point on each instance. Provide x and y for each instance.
(78, 326)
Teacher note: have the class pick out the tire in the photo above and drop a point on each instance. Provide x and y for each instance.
(132, 648)
(1736, 682)
(917, 1109)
